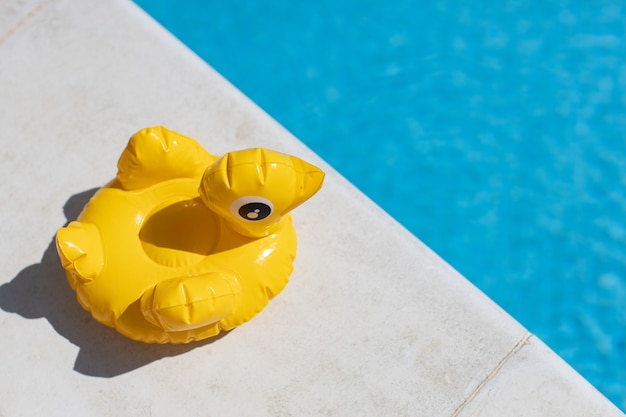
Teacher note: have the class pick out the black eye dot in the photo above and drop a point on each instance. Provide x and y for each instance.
(255, 211)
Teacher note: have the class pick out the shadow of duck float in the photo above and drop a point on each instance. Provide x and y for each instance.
(182, 245)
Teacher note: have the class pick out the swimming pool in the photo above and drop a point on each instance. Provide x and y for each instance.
(495, 133)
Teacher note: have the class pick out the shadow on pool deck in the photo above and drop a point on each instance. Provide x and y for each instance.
(41, 290)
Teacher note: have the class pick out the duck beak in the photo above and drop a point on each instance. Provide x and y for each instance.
(309, 179)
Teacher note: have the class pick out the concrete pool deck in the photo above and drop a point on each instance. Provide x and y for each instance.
(372, 322)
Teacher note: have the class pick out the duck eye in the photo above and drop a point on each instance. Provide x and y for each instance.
(255, 211)
(252, 208)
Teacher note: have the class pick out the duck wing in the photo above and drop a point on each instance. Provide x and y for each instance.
(157, 154)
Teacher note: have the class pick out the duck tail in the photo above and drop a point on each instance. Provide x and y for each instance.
(157, 154)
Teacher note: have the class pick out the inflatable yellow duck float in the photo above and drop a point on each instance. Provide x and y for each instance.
(182, 245)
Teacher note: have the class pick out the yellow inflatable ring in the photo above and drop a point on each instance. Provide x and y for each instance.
(181, 244)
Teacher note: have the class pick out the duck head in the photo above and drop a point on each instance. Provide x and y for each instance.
(253, 189)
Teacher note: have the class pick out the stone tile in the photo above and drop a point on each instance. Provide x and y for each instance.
(16, 13)
(535, 381)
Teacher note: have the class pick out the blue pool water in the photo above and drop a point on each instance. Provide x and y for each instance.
(495, 132)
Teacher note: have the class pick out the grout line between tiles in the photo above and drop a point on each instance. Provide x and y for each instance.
(24, 20)
(492, 374)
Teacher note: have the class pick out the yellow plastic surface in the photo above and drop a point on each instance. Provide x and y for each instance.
(182, 244)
